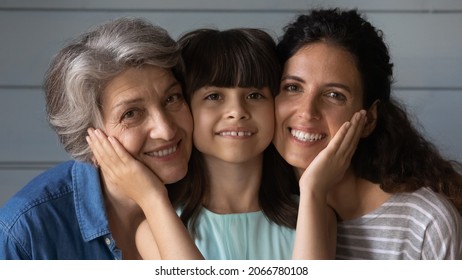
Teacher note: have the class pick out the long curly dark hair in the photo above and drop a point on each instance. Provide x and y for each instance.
(395, 155)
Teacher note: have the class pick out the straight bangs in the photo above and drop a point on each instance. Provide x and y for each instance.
(231, 59)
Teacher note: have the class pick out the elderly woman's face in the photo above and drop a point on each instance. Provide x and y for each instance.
(144, 109)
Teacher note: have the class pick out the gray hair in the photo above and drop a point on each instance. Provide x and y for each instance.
(80, 71)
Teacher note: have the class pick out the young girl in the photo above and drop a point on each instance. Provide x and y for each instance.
(236, 200)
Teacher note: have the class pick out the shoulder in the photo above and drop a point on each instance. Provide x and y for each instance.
(440, 221)
(425, 202)
(50, 185)
(427, 211)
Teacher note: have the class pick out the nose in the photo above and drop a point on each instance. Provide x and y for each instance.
(236, 109)
(308, 108)
(162, 126)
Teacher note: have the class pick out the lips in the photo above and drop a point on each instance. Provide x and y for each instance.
(307, 136)
(163, 152)
(236, 132)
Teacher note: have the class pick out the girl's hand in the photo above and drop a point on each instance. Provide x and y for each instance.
(163, 234)
(316, 225)
(131, 177)
(330, 165)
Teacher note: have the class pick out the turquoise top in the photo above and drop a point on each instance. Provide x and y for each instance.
(243, 236)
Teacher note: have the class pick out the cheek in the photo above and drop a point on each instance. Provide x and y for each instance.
(282, 113)
(202, 123)
(269, 119)
(131, 140)
(185, 122)
(336, 119)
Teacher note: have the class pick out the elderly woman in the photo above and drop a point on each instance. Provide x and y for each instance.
(121, 78)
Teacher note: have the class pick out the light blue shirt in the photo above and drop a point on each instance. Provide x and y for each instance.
(243, 236)
(58, 215)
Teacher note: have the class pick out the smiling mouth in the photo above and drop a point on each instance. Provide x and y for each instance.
(307, 137)
(235, 133)
(163, 152)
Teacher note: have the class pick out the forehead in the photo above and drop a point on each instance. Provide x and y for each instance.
(323, 63)
(324, 57)
(146, 81)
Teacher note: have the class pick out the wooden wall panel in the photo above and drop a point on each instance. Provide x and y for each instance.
(424, 37)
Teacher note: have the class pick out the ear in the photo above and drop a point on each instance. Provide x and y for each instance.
(371, 119)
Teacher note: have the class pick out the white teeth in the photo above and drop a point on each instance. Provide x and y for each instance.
(163, 153)
(236, 133)
(306, 137)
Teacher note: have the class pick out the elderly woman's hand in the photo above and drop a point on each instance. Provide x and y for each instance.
(120, 170)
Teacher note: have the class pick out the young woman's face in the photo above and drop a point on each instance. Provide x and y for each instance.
(232, 124)
(320, 90)
(145, 110)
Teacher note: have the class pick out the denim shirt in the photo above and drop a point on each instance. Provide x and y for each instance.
(60, 214)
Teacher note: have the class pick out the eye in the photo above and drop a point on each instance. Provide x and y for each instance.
(255, 95)
(131, 115)
(336, 96)
(174, 98)
(213, 96)
(291, 88)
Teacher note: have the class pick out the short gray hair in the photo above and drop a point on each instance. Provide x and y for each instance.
(80, 71)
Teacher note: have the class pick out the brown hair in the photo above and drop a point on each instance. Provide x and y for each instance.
(234, 58)
(395, 155)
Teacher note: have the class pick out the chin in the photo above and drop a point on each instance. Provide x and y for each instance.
(299, 163)
(173, 176)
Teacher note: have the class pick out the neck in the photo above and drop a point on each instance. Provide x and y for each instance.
(354, 197)
(234, 187)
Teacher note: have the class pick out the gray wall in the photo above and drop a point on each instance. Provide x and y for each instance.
(424, 36)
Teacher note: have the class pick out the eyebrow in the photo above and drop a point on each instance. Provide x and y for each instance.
(289, 77)
(298, 79)
(129, 101)
(125, 102)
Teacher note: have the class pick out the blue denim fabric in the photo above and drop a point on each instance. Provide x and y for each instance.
(58, 215)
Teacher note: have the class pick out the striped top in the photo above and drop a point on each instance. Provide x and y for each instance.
(418, 225)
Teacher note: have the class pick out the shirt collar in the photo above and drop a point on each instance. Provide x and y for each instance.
(89, 202)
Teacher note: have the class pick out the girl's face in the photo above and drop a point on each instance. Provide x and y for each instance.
(232, 124)
(145, 110)
(320, 90)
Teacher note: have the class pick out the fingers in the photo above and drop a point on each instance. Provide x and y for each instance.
(120, 150)
(102, 149)
(353, 135)
(345, 141)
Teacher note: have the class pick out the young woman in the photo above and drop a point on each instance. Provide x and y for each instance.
(394, 201)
